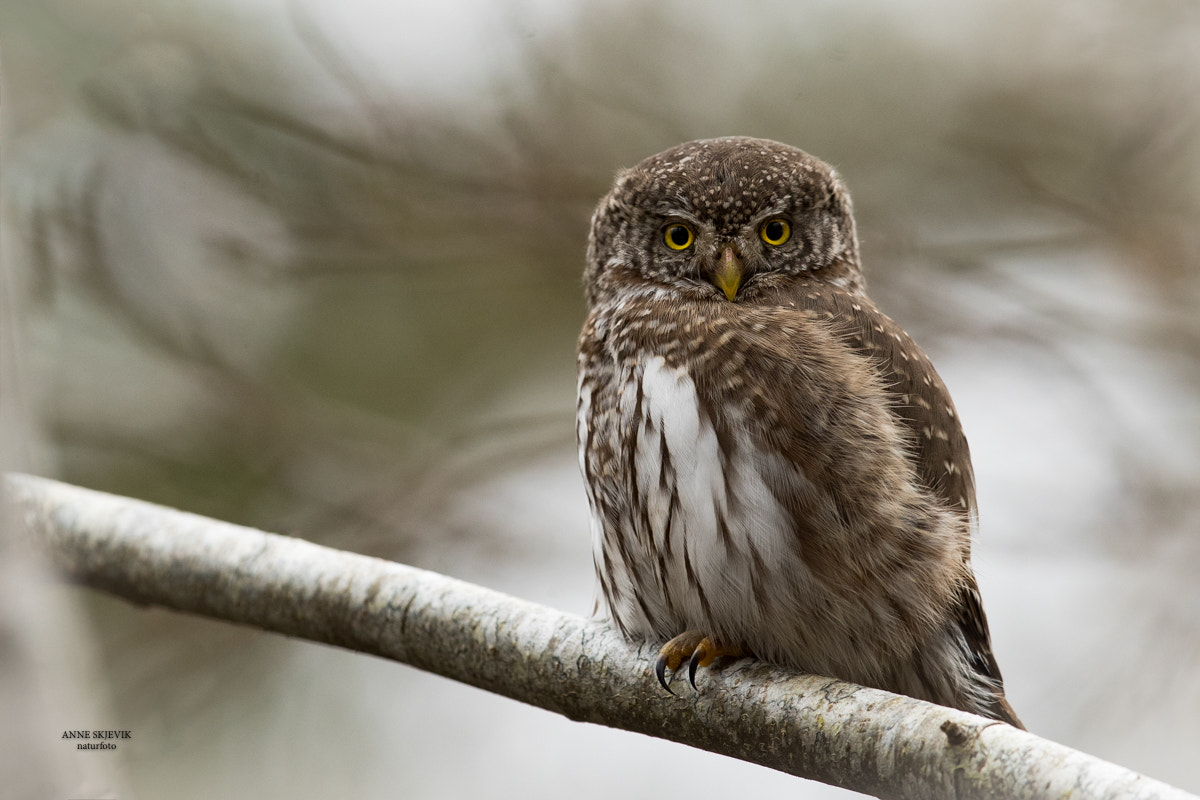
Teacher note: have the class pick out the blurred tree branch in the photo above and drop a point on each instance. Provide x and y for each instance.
(805, 725)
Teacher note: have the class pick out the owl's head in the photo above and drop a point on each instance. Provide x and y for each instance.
(732, 220)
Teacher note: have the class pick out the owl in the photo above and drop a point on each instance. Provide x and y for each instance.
(773, 467)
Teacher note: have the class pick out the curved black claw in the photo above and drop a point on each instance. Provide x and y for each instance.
(693, 662)
(660, 670)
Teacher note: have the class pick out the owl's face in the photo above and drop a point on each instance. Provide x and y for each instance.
(730, 220)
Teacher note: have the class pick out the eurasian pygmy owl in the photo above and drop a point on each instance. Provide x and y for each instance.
(773, 466)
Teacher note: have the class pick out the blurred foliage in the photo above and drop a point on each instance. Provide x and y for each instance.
(273, 290)
(361, 277)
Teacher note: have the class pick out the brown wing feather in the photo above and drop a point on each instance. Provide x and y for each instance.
(939, 446)
(923, 403)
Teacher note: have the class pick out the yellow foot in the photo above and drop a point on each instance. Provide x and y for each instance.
(698, 649)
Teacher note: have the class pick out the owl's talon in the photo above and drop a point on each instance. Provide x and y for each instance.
(672, 655)
(694, 647)
(694, 662)
(660, 671)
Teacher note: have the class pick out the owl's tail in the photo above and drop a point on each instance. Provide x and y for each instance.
(1001, 710)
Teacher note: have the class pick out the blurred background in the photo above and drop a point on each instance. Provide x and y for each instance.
(315, 268)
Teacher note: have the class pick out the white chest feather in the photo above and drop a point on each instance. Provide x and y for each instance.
(703, 540)
(677, 460)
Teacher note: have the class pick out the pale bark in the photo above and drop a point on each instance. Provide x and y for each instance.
(813, 727)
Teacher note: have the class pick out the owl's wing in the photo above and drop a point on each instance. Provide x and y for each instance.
(922, 402)
(923, 406)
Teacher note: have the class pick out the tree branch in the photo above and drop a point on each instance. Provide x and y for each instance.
(813, 727)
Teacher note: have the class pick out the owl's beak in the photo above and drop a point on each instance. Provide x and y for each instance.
(728, 275)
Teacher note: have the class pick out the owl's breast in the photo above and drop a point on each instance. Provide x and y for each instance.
(688, 526)
(748, 478)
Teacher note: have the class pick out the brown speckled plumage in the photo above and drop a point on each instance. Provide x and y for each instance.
(770, 461)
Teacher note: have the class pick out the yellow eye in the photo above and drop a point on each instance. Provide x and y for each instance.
(776, 232)
(678, 237)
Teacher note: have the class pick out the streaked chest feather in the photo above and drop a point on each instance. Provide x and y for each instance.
(688, 525)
